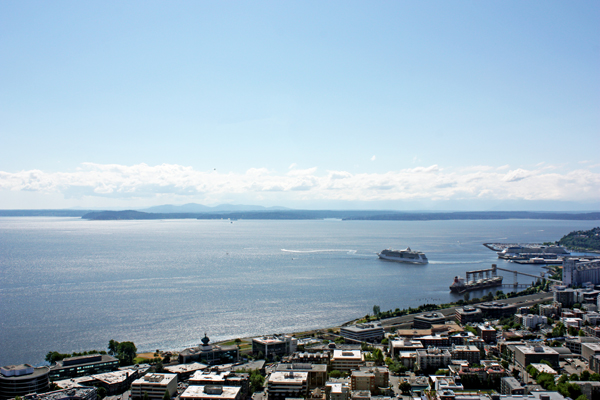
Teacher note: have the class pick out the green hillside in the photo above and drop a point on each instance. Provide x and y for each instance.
(582, 240)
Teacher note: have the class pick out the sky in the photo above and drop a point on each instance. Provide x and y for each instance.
(304, 104)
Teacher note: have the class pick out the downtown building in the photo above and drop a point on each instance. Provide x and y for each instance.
(275, 345)
(371, 332)
(155, 385)
(19, 380)
(576, 272)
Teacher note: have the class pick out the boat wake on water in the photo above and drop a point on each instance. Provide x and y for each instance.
(458, 262)
(320, 251)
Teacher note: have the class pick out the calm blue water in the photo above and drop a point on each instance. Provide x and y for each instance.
(68, 284)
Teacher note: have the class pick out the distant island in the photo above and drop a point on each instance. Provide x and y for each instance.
(343, 215)
(238, 211)
(582, 240)
(43, 213)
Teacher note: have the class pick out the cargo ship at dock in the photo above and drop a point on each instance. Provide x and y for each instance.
(476, 280)
(459, 285)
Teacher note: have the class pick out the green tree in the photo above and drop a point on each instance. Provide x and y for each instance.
(585, 376)
(570, 390)
(582, 397)
(101, 392)
(559, 330)
(145, 396)
(54, 356)
(257, 381)
(126, 352)
(376, 310)
(167, 395)
(378, 356)
(113, 347)
(574, 377)
(336, 374)
(159, 367)
(405, 388)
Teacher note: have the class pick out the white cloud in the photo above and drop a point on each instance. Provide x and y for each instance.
(373, 158)
(141, 181)
(516, 175)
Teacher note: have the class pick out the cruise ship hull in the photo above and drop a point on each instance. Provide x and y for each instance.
(421, 259)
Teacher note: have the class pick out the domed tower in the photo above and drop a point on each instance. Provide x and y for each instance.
(205, 341)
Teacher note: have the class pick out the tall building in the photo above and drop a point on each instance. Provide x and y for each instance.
(155, 385)
(282, 385)
(227, 378)
(276, 345)
(371, 332)
(370, 378)
(346, 360)
(317, 373)
(337, 391)
(532, 320)
(212, 393)
(432, 358)
(576, 272)
(525, 355)
(468, 314)
(427, 320)
(18, 380)
(210, 354)
(83, 365)
(509, 385)
(466, 352)
(487, 333)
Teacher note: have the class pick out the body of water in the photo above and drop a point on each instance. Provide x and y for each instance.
(68, 284)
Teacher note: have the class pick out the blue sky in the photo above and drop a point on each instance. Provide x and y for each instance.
(389, 104)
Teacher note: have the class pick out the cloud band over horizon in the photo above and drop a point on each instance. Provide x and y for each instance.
(142, 181)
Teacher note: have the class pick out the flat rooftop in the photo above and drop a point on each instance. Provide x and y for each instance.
(155, 379)
(183, 368)
(200, 392)
(347, 354)
(288, 377)
(115, 376)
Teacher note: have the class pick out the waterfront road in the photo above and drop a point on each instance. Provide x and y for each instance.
(521, 301)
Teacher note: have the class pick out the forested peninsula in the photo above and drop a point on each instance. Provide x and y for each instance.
(582, 240)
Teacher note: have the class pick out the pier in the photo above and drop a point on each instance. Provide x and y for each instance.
(481, 273)
(482, 278)
(541, 276)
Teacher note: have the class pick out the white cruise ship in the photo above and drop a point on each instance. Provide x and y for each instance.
(405, 256)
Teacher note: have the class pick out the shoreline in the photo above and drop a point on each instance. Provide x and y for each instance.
(516, 299)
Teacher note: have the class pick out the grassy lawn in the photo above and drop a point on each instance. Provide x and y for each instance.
(144, 358)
